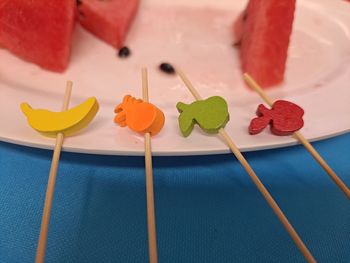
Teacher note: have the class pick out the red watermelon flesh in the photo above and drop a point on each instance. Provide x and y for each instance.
(38, 31)
(108, 19)
(263, 31)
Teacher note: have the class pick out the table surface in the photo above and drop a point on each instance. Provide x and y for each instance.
(207, 208)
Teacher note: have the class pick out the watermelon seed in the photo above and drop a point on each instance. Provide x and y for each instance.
(124, 52)
(79, 2)
(167, 68)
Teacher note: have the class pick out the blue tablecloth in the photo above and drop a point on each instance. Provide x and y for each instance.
(207, 209)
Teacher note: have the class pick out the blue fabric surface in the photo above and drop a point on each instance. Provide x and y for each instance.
(207, 209)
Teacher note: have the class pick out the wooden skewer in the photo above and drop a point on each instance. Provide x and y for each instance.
(269, 199)
(151, 221)
(298, 135)
(40, 252)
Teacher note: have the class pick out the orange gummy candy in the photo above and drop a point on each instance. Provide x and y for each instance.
(139, 116)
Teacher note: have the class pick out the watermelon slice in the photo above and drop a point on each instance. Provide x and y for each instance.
(263, 31)
(38, 31)
(108, 19)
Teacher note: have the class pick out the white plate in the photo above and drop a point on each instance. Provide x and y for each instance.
(197, 37)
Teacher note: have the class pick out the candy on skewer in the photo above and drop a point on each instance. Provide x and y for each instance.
(269, 199)
(140, 116)
(298, 135)
(58, 124)
(68, 122)
(210, 114)
(145, 118)
(284, 117)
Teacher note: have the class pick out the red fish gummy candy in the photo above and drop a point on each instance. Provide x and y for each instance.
(284, 117)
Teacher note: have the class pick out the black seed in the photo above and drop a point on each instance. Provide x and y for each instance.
(79, 2)
(124, 52)
(167, 68)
